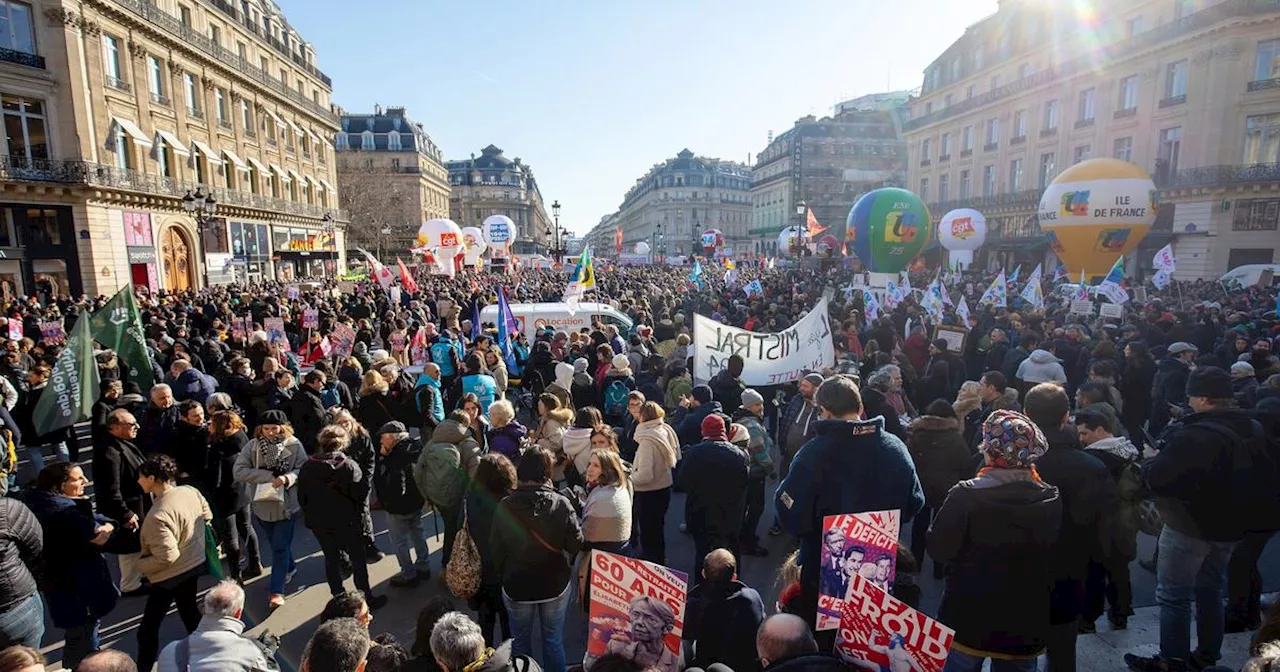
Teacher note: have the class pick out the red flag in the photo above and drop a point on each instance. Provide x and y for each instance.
(405, 278)
(811, 223)
(617, 240)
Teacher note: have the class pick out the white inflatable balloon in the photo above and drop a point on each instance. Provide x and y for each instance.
(784, 240)
(499, 231)
(642, 247)
(473, 245)
(960, 232)
(443, 238)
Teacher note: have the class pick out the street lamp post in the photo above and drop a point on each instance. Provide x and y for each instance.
(558, 252)
(801, 209)
(202, 208)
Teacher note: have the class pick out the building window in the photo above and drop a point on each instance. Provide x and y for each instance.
(111, 61)
(164, 158)
(1122, 148)
(946, 101)
(184, 15)
(944, 182)
(1182, 8)
(1020, 124)
(246, 117)
(995, 82)
(1170, 147)
(955, 69)
(924, 189)
(1015, 175)
(220, 97)
(989, 180)
(968, 92)
(123, 159)
(393, 141)
(993, 131)
(16, 31)
(964, 184)
(1085, 113)
(215, 35)
(1129, 93)
(966, 139)
(1267, 64)
(978, 61)
(192, 89)
(926, 149)
(1050, 121)
(366, 140)
(1175, 79)
(155, 79)
(928, 108)
(1024, 71)
(1047, 169)
(1262, 139)
(1082, 153)
(24, 129)
(944, 149)
(1133, 26)
(242, 51)
(1261, 214)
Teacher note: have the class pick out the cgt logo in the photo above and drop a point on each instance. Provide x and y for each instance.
(962, 227)
(1075, 204)
(903, 227)
(1111, 240)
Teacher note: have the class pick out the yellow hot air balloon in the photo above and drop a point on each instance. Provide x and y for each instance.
(1096, 211)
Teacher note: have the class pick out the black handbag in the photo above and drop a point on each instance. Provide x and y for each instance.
(124, 541)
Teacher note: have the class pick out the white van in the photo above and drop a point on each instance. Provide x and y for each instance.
(535, 316)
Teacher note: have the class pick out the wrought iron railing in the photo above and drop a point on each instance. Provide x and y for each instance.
(1205, 176)
(1264, 84)
(21, 169)
(1172, 101)
(22, 58)
(1031, 196)
(1101, 57)
(118, 84)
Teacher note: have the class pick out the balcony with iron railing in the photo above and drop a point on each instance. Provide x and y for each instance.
(190, 36)
(22, 58)
(160, 99)
(117, 84)
(20, 169)
(1099, 58)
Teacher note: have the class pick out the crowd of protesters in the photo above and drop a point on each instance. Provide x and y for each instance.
(1026, 462)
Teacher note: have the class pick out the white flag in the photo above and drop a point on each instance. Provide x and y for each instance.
(871, 304)
(1032, 293)
(1161, 279)
(963, 310)
(996, 293)
(572, 295)
(1164, 260)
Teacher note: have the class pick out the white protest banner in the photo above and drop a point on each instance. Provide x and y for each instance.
(637, 610)
(880, 632)
(1082, 307)
(1111, 310)
(770, 359)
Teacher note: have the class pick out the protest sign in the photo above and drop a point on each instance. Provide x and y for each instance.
(291, 292)
(1111, 310)
(274, 327)
(770, 359)
(1082, 307)
(310, 318)
(636, 610)
(954, 336)
(880, 632)
(343, 340)
(855, 544)
(398, 342)
(15, 329)
(238, 329)
(51, 331)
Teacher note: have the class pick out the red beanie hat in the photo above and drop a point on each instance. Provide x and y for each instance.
(713, 428)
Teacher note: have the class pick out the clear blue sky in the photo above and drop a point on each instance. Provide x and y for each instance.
(591, 94)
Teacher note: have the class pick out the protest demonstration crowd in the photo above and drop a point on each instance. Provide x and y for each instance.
(1009, 431)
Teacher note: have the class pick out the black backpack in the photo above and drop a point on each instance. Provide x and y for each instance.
(1253, 476)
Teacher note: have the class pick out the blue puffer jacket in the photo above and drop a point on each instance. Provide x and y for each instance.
(194, 385)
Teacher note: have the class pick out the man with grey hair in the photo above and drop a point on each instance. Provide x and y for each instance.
(218, 643)
(159, 422)
(786, 638)
(457, 644)
(883, 382)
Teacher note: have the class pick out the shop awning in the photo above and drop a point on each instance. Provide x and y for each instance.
(235, 160)
(209, 154)
(278, 119)
(259, 166)
(328, 187)
(281, 173)
(172, 141)
(313, 181)
(296, 177)
(132, 130)
(315, 138)
(296, 128)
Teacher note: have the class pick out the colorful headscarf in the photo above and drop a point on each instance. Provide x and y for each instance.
(1010, 440)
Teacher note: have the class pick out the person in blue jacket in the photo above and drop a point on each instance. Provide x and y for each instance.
(446, 354)
(850, 466)
(476, 381)
(429, 398)
(189, 383)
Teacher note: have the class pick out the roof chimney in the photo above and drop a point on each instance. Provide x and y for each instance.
(377, 109)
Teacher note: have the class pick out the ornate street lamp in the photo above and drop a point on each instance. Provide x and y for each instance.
(202, 208)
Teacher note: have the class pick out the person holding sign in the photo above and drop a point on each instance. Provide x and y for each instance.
(996, 532)
(851, 465)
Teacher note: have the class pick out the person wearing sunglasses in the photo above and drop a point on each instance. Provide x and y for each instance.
(116, 489)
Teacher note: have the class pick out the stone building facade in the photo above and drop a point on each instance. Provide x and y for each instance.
(492, 184)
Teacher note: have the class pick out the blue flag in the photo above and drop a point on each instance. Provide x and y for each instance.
(695, 276)
(475, 320)
(506, 328)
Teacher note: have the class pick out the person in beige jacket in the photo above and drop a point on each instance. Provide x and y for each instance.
(173, 551)
(657, 450)
(553, 419)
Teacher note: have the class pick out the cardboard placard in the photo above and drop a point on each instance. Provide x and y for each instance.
(1082, 307)
(1112, 310)
(865, 544)
(954, 336)
(310, 319)
(51, 331)
(880, 632)
(637, 609)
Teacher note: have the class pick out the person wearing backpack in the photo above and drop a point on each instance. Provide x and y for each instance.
(1108, 578)
(1214, 481)
(335, 392)
(618, 383)
(476, 381)
(446, 354)
(429, 399)
(308, 410)
(444, 470)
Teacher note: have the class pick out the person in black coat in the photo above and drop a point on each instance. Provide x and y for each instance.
(157, 426)
(21, 547)
(884, 381)
(308, 413)
(723, 616)
(362, 450)
(688, 418)
(110, 392)
(24, 412)
(1088, 498)
(115, 487)
(189, 446)
(714, 474)
(400, 499)
(1134, 385)
(227, 498)
(1169, 388)
(786, 644)
(495, 478)
(942, 459)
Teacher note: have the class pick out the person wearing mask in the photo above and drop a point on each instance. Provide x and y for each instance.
(443, 470)
(400, 499)
(506, 434)
(173, 551)
(692, 411)
(1210, 493)
(330, 498)
(727, 386)
(723, 616)
(495, 479)
(713, 473)
(657, 451)
(116, 490)
(1169, 386)
(785, 643)
(475, 381)
(458, 646)
(1108, 579)
(534, 530)
(942, 459)
(268, 468)
(190, 444)
(227, 438)
(75, 581)
(218, 642)
(54, 443)
(429, 399)
(307, 410)
(997, 532)
(1088, 498)
(850, 465)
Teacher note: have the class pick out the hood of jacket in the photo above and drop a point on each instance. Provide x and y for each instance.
(564, 416)
(576, 438)
(329, 461)
(534, 501)
(935, 423)
(1117, 445)
(564, 375)
(449, 431)
(513, 431)
(1042, 357)
(583, 378)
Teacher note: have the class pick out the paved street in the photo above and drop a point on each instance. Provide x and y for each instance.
(295, 622)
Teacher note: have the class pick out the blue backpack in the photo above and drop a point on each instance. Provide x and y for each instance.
(329, 396)
(615, 397)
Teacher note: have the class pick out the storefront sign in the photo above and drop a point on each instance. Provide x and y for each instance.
(141, 255)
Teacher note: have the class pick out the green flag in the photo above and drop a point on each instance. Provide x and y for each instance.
(73, 385)
(118, 326)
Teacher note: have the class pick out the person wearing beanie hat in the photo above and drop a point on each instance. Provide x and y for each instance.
(727, 385)
(758, 447)
(1244, 384)
(1215, 501)
(692, 410)
(714, 474)
(583, 386)
(1001, 524)
(618, 383)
